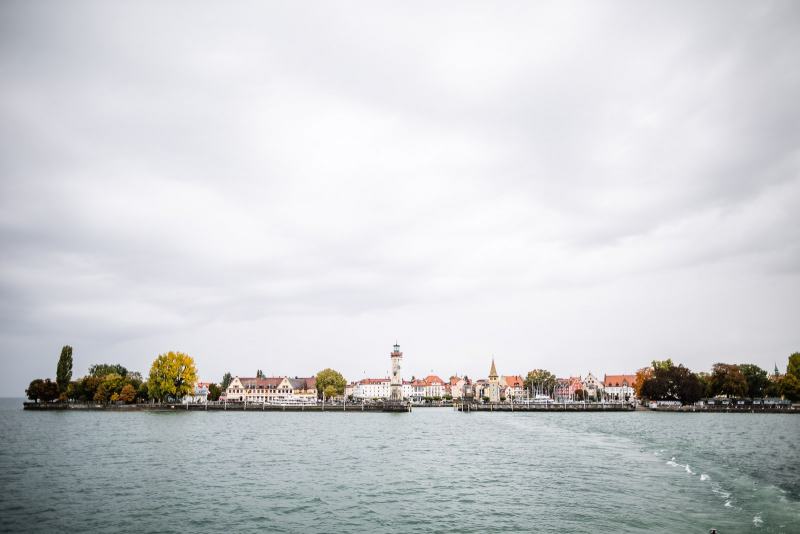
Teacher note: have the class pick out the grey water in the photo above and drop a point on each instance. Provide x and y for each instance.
(432, 470)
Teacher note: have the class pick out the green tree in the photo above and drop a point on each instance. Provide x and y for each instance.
(329, 377)
(793, 367)
(64, 369)
(226, 381)
(789, 387)
(214, 392)
(669, 382)
(172, 376)
(756, 378)
(663, 365)
(540, 378)
(259, 373)
(103, 369)
(89, 385)
(142, 393)
(728, 380)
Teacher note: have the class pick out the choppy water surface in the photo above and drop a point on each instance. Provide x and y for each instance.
(433, 470)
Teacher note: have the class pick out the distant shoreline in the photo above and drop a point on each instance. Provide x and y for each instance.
(377, 408)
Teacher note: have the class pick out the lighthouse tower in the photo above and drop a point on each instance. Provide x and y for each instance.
(396, 382)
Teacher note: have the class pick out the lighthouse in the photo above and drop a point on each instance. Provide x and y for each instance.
(396, 382)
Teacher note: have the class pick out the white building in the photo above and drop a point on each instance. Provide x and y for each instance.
(619, 387)
(273, 390)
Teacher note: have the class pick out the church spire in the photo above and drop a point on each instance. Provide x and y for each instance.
(493, 370)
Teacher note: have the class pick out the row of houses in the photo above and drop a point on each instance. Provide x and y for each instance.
(497, 388)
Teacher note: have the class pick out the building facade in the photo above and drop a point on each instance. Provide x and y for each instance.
(619, 387)
(273, 390)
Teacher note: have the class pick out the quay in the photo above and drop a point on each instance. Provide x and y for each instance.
(221, 407)
(467, 407)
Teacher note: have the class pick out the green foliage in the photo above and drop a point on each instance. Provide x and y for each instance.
(540, 378)
(330, 391)
(64, 369)
(226, 381)
(42, 390)
(485, 399)
(259, 374)
(329, 377)
(727, 379)
(789, 387)
(172, 376)
(103, 369)
(143, 392)
(663, 365)
(669, 382)
(756, 378)
(793, 367)
(214, 392)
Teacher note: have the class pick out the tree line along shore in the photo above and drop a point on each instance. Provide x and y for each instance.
(173, 376)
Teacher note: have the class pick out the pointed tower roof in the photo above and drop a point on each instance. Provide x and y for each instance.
(493, 370)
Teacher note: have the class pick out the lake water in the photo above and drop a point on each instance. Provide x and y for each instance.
(433, 470)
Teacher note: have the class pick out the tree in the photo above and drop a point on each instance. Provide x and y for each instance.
(103, 369)
(329, 377)
(64, 369)
(330, 391)
(42, 390)
(728, 380)
(226, 381)
(642, 375)
(756, 378)
(214, 392)
(127, 394)
(789, 387)
(34, 391)
(172, 376)
(142, 393)
(259, 374)
(669, 382)
(540, 378)
(793, 367)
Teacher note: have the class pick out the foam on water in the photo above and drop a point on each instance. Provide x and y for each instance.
(704, 476)
(757, 521)
(688, 470)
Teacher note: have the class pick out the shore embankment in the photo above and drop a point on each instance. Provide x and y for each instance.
(217, 407)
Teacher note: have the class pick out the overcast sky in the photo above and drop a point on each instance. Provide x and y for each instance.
(579, 186)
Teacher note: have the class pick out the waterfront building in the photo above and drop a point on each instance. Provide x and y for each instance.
(592, 386)
(456, 387)
(275, 389)
(566, 387)
(512, 387)
(417, 390)
(199, 393)
(434, 386)
(619, 387)
(372, 388)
